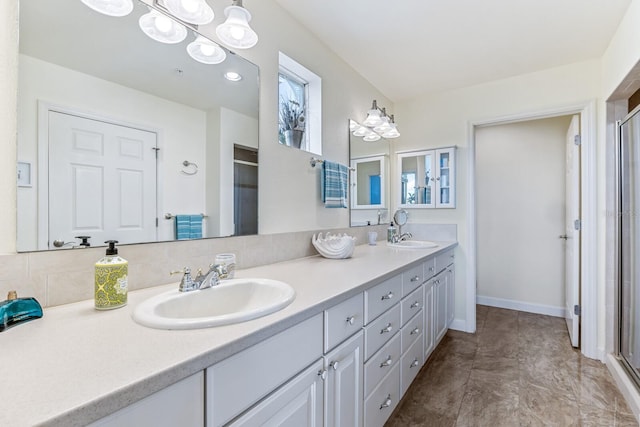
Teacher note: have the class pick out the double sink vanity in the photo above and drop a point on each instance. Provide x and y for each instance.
(343, 352)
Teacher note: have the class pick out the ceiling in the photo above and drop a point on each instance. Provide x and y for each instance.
(408, 48)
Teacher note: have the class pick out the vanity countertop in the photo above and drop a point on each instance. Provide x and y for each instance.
(76, 364)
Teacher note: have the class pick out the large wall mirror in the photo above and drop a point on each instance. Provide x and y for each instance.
(369, 162)
(122, 137)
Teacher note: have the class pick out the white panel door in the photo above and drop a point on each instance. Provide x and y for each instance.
(572, 231)
(102, 181)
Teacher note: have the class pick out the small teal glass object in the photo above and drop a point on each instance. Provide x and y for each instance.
(15, 311)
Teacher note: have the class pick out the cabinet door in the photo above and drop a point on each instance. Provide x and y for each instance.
(429, 319)
(445, 178)
(451, 291)
(298, 403)
(440, 302)
(343, 385)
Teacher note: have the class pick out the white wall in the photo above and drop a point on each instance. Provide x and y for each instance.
(181, 132)
(443, 119)
(520, 207)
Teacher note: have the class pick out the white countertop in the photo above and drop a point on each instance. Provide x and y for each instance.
(77, 364)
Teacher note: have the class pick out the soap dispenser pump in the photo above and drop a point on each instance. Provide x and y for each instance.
(111, 279)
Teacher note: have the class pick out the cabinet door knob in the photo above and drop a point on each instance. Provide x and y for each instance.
(387, 402)
(387, 296)
(415, 278)
(414, 363)
(334, 365)
(351, 319)
(415, 304)
(415, 331)
(387, 362)
(323, 374)
(430, 268)
(388, 328)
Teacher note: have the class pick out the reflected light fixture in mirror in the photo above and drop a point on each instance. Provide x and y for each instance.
(196, 12)
(116, 8)
(205, 51)
(235, 31)
(161, 28)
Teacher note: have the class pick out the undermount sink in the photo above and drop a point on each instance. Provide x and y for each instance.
(414, 244)
(232, 301)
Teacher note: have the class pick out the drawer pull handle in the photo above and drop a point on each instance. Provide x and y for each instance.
(450, 270)
(323, 374)
(414, 363)
(334, 365)
(415, 331)
(387, 362)
(351, 319)
(386, 403)
(387, 296)
(388, 328)
(416, 304)
(430, 268)
(415, 278)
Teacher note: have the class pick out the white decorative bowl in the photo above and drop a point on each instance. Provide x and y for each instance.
(334, 246)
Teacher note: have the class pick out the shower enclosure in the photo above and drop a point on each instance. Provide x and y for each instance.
(629, 243)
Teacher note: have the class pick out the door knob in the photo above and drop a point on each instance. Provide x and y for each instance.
(563, 236)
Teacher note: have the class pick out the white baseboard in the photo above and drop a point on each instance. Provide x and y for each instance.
(548, 310)
(459, 325)
(624, 383)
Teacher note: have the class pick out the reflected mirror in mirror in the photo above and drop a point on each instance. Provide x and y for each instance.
(369, 180)
(127, 138)
(416, 178)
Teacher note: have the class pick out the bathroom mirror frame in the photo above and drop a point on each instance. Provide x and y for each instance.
(140, 81)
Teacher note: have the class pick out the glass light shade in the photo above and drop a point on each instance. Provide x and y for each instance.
(205, 51)
(373, 118)
(111, 7)
(196, 12)
(392, 132)
(383, 126)
(353, 125)
(372, 137)
(161, 28)
(361, 131)
(235, 31)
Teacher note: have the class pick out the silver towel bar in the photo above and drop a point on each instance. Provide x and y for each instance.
(313, 161)
(171, 216)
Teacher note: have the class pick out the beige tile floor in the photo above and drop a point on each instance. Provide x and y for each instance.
(517, 370)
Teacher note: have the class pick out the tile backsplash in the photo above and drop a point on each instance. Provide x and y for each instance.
(66, 276)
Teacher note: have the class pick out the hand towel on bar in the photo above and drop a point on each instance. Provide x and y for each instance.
(183, 227)
(335, 180)
(195, 231)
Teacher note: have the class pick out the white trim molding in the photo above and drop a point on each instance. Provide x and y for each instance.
(624, 383)
(529, 307)
(588, 245)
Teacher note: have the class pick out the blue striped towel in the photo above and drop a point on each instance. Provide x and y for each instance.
(183, 227)
(334, 184)
(195, 231)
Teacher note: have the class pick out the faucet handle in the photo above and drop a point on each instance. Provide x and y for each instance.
(187, 283)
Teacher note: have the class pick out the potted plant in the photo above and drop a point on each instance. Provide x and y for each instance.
(292, 122)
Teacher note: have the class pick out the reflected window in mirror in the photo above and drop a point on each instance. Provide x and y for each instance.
(299, 106)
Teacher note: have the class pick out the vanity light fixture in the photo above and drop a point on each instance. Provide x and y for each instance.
(111, 7)
(377, 124)
(235, 32)
(232, 76)
(205, 51)
(161, 28)
(196, 12)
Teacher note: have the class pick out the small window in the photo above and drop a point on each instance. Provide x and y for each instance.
(300, 106)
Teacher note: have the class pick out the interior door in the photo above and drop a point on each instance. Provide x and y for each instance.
(572, 231)
(102, 181)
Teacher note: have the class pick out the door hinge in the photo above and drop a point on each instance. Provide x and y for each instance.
(577, 224)
(156, 149)
(577, 310)
(157, 222)
(577, 140)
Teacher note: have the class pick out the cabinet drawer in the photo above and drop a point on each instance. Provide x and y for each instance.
(238, 382)
(429, 268)
(410, 364)
(378, 332)
(412, 331)
(342, 321)
(381, 363)
(444, 259)
(382, 297)
(411, 304)
(411, 279)
(383, 400)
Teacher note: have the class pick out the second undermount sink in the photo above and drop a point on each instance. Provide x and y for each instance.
(232, 301)
(414, 244)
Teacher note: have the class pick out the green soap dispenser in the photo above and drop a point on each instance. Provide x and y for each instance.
(111, 279)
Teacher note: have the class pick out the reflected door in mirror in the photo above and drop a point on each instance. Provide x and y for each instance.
(368, 183)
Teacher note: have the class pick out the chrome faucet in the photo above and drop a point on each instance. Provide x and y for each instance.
(401, 237)
(202, 281)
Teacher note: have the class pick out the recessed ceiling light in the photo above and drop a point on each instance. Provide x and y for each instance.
(232, 76)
